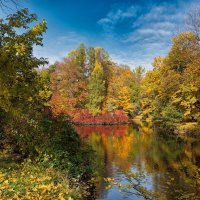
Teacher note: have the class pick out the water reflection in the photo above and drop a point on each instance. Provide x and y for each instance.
(171, 165)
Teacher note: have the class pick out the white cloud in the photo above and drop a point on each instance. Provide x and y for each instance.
(117, 15)
(152, 31)
(149, 36)
(146, 35)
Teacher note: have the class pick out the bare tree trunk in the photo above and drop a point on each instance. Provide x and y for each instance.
(193, 21)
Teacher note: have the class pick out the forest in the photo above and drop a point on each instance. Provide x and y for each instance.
(41, 154)
(91, 89)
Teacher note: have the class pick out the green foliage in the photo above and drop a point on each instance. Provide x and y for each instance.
(91, 59)
(168, 116)
(96, 89)
(136, 88)
(50, 150)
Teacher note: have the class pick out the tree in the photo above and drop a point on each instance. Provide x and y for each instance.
(185, 49)
(193, 21)
(87, 78)
(68, 86)
(138, 73)
(18, 67)
(124, 100)
(170, 92)
(118, 96)
(91, 59)
(96, 87)
(70, 78)
(136, 88)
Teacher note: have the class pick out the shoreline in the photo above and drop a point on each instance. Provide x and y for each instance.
(102, 124)
(135, 120)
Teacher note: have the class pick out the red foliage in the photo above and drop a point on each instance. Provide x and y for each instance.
(82, 116)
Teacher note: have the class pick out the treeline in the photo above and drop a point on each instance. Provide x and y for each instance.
(90, 88)
(87, 84)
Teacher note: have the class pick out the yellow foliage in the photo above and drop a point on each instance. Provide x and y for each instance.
(35, 182)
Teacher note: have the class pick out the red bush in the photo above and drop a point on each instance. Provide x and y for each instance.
(82, 116)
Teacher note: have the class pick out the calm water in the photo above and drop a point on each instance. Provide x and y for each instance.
(170, 166)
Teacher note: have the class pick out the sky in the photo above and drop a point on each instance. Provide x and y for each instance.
(133, 32)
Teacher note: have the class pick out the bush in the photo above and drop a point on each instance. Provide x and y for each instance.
(83, 116)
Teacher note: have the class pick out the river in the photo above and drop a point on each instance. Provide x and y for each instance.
(171, 166)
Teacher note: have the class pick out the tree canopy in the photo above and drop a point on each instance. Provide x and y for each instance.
(20, 83)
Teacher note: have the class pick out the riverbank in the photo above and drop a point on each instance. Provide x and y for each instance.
(185, 129)
(190, 129)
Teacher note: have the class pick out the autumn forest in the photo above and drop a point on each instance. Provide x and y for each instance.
(88, 86)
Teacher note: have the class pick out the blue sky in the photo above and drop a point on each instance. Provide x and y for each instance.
(132, 31)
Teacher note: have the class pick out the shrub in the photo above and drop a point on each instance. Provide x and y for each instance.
(83, 116)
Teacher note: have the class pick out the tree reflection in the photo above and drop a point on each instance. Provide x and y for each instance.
(173, 165)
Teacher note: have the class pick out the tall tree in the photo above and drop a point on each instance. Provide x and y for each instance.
(91, 60)
(96, 86)
(119, 89)
(185, 49)
(136, 88)
(69, 87)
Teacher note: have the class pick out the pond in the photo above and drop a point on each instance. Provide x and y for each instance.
(171, 166)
